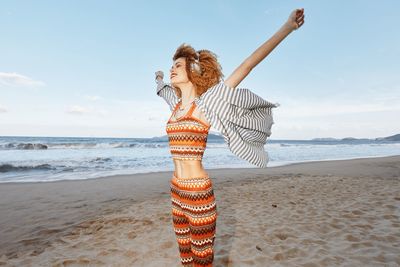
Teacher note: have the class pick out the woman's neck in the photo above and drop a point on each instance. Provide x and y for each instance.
(188, 92)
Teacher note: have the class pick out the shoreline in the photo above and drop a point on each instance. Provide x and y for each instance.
(207, 169)
(45, 220)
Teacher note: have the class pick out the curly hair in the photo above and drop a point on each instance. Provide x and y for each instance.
(211, 70)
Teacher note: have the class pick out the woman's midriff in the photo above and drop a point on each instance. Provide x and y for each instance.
(189, 168)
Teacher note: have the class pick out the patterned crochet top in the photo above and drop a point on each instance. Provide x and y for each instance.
(187, 135)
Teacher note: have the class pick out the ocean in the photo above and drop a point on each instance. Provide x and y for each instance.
(43, 159)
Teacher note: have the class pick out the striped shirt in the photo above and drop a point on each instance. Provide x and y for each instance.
(243, 118)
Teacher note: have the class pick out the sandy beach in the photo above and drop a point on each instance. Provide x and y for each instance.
(328, 213)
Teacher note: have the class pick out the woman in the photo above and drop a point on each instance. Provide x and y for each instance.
(198, 100)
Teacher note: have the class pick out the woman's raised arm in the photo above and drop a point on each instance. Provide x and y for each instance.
(295, 20)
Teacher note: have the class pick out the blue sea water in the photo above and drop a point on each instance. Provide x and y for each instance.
(40, 159)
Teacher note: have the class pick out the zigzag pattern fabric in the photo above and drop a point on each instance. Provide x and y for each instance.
(187, 136)
(194, 209)
(194, 215)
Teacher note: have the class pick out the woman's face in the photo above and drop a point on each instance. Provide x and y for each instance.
(178, 74)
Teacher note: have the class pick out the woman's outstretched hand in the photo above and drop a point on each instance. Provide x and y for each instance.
(296, 19)
(159, 75)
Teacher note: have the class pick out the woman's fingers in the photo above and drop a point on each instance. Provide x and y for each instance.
(159, 74)
(299, 24)
(300, 20)
(300, 17)
(299, 13)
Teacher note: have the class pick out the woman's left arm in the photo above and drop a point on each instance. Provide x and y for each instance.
(295, 20)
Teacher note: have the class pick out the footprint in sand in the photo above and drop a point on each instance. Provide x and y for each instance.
(281, 236)
(130, 254)
(279, 257)
(29, 241)
(352, 238)
(390, 216)
(164, 217)
(357, 212)
(147, 222)
(132, 235)
(167, 244)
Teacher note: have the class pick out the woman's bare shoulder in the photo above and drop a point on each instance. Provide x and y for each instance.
(199, 114)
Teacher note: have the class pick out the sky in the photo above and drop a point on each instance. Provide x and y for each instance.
(86, 68)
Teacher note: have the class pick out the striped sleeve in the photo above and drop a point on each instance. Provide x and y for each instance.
(243, 118)
(168, 93)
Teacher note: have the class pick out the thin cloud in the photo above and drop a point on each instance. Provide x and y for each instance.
(79, 110)
(18, 80)
(153, 118)
(93, 97)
